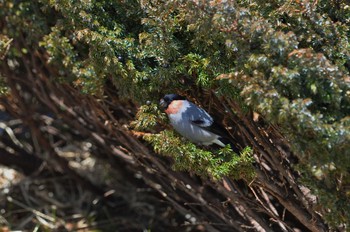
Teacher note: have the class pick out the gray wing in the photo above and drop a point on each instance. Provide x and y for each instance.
(201, 118)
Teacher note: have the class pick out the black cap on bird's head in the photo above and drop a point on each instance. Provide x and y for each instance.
(168, 98)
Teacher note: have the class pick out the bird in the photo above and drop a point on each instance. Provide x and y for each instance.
(193, 122)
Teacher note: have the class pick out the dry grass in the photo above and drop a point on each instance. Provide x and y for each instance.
(50, 201)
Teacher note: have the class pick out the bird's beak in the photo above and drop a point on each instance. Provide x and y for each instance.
(162, 103)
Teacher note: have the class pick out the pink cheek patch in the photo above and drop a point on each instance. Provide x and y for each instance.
(174, 107)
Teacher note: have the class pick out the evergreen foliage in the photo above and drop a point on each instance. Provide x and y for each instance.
(287, 60)
(187, 157)
(4, 47)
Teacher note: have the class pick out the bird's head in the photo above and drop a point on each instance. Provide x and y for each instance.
(168, 99)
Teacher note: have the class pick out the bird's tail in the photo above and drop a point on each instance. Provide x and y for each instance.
(226, 141)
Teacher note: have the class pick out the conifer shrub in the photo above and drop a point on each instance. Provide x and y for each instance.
(287, 60)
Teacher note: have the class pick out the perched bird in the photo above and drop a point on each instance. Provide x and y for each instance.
(194, 123)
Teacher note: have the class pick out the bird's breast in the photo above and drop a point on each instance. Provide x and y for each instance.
(174, 107)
